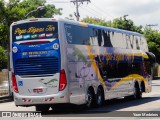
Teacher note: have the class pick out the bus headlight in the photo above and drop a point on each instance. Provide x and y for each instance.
(15, 49)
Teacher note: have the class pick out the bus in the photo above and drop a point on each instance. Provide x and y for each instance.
(57, 62)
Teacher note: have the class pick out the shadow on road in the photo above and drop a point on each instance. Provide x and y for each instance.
(5, 99)
(109, 107)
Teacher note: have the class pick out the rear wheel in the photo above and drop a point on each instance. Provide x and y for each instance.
(99, 97)
(137, 92)
(90, 99)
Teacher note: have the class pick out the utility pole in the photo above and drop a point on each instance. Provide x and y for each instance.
(78, 3)
(124, 16)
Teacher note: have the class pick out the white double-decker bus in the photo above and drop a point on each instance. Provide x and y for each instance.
(56, 62)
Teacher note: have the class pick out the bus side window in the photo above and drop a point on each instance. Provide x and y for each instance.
(107, 40)
(77, 34)
(136, 68)
(103, 69)
(132, 41)
(137, 44)
(69, 36)
(99, 37)
(112, 70)
(84, 36)
(93, 37)
(123, 69)
(128, 42)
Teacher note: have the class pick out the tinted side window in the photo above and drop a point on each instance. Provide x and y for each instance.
(136, 68)
(77, 34)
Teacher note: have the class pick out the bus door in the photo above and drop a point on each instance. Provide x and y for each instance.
(76, 82)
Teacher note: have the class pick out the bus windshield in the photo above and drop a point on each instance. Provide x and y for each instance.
(34, 31)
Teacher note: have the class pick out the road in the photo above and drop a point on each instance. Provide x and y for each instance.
(149, 102)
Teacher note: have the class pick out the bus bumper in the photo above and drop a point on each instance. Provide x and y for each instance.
(37, 100)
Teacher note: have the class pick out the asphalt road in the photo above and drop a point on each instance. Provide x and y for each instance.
(150, 103)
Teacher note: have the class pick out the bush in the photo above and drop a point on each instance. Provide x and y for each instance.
(3, 58)
(155, 70)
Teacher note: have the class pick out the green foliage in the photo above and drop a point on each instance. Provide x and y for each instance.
(121, 23)
(17, 10)
(96, 21)
(153, 39)
(3, 58)
(126, 24)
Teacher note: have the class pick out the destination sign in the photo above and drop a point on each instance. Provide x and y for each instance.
(35, 53)
(35, 31)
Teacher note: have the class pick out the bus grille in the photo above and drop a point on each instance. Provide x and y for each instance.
(37, 66)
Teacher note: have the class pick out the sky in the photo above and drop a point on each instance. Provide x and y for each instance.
(142, 12)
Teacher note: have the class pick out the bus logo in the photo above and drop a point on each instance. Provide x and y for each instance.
(14, 49)
(56, 46)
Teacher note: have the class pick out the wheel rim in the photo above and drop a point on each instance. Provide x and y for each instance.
(89, 99)
(135, 93)
(99, 97)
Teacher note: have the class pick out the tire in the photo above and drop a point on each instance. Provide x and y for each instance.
(99, 98)
(137, 92)
(42, 108)
(90, 99)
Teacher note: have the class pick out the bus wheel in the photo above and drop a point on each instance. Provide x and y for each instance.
(137, 92)
(99, 97)
(42, 108)
(90, 99)
(139, 95)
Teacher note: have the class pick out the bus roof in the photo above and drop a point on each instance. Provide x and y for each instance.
(81, 24)
(102, 27)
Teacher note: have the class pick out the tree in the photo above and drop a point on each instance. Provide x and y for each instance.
(121, 23)
(3, 58)
(126, 24)
(153, 40)
(16, 10)
(96, 21)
